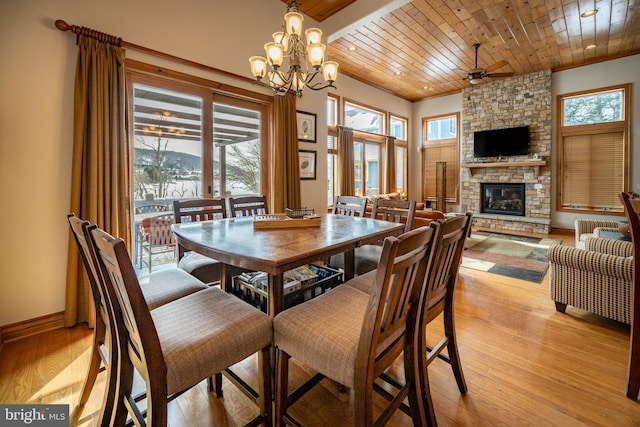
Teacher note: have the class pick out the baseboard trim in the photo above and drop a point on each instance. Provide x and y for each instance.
(30, 327)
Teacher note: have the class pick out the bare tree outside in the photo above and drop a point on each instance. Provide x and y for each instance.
(243, 165)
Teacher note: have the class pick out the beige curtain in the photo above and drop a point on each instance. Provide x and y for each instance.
(286, 170)
(390, 177)
(346, 176)
(100, 177)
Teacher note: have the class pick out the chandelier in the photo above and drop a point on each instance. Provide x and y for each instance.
(288, 45)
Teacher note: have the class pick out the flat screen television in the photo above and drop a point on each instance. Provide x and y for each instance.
(501, 142)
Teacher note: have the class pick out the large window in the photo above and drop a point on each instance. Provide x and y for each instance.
(593, 150)
(441, 146)
(190, 141)
(369, 125)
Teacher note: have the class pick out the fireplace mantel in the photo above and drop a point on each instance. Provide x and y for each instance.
(530, 163)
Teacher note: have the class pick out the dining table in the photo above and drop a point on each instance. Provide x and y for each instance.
(236, 242)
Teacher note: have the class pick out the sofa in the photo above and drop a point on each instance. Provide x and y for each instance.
(598, 279)
(422, 217)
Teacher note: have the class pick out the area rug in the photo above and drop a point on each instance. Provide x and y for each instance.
(519, 257)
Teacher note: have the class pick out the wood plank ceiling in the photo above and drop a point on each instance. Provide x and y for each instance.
(421, 49)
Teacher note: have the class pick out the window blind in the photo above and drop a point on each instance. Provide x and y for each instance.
(593, 172)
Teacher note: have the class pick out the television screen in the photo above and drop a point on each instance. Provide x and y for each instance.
(501, 142)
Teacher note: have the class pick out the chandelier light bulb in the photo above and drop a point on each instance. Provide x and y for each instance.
(330, 71)
(258, 66)
(293, 23)
(282, 38)
(275, 53)
(313, 35)
(316, 54)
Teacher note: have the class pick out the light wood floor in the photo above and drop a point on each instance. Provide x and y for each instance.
(525, 364)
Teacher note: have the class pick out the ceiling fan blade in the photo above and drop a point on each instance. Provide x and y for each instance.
(495, 66)
(498, 75)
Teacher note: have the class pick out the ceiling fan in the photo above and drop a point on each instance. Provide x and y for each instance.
(476, 75)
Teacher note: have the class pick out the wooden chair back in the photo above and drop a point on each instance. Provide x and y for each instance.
(199, 210)
(631, 202)
(389, 320)
(248, 206)
(437, 298)
(395, 210)
(349, 205)
(136, 333)
(103, 350)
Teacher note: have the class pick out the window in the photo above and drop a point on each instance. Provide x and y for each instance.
(593, 150)
(369, 144)
(363, 119)
(441, 144)
(398, 129)
(332, 149)
(190, 141)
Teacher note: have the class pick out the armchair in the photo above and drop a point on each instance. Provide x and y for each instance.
(588, 228)
(597, 279)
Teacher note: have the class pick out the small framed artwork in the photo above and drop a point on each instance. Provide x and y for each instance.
(306, 126)
(307, 159)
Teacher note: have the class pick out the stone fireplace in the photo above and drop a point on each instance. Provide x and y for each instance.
(503, 199)
(516, 101)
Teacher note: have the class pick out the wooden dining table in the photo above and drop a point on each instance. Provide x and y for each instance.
(235, 242)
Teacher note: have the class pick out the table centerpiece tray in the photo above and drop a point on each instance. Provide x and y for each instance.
(271, 221)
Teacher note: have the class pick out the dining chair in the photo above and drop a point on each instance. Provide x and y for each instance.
(349, 205)
(102, 354)
(352, 337)
(158, 239)
(248, 206)
(204, 268)
(367, 256)
(438, 298)
(176, 346)
(631, 202)
(157, 289)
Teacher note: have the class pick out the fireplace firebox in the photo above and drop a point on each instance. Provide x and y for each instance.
(503, 199)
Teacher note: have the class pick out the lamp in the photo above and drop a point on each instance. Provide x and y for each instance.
(300, 56)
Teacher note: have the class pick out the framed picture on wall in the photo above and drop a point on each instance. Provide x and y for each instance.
(306, 126)
(307, 159)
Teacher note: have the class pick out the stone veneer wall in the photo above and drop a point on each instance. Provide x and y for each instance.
(517, 101)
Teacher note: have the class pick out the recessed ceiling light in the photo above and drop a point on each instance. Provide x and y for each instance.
(589, 13)
(352, 49)
(427, 88)
(398, 73)
(591, 46)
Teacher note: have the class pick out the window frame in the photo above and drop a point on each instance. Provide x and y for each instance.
(402, 144)
(623, 126)
(210, 92)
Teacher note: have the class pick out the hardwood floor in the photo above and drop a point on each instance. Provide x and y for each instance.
(524, 363)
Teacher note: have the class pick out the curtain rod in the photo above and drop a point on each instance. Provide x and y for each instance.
(117, 41)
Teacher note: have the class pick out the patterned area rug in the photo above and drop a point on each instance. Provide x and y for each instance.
(520, 257)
